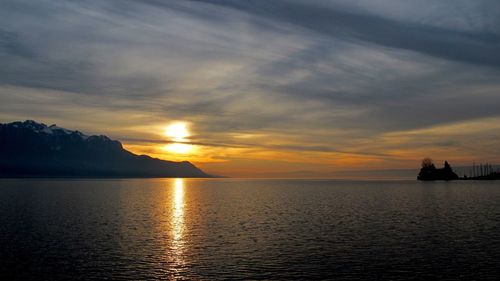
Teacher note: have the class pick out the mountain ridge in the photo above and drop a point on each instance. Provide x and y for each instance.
(32, 149)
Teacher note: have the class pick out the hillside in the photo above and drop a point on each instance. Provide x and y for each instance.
(31, 149)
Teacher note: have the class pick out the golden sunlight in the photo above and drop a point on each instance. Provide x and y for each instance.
(180, 148)
(178, 225)
(178, 211)
(177, 131)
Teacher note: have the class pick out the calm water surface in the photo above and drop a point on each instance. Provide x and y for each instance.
(248, 229)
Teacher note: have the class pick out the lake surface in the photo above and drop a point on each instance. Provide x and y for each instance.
(234, 229)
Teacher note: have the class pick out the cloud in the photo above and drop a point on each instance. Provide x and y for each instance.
(466, 46)
(327, 78)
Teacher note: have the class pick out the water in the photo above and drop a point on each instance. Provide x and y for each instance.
(248, 229)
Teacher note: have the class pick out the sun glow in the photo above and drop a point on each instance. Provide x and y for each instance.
(178, 133)
(180, 148)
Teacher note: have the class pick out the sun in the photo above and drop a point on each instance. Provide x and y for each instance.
(178, 134)
(177, 131)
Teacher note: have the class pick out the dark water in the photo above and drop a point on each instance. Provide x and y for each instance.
(248, 229)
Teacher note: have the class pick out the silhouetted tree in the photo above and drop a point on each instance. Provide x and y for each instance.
(430, 173)
(427, 163)
(447, 166)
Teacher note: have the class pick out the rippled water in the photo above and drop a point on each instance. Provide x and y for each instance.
(248, 229)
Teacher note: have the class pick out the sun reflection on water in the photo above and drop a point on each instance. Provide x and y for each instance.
(178, 226)
(178, 211)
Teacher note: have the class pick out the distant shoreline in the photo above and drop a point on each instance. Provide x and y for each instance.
(213, 177)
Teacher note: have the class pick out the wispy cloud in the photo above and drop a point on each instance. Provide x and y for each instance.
(311, 81)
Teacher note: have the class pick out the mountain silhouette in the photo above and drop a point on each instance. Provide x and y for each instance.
(31, 149)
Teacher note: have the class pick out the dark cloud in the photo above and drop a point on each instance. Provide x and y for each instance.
(471, 47)
(10, 44)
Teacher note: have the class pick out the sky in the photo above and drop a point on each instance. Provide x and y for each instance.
(281, 88)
